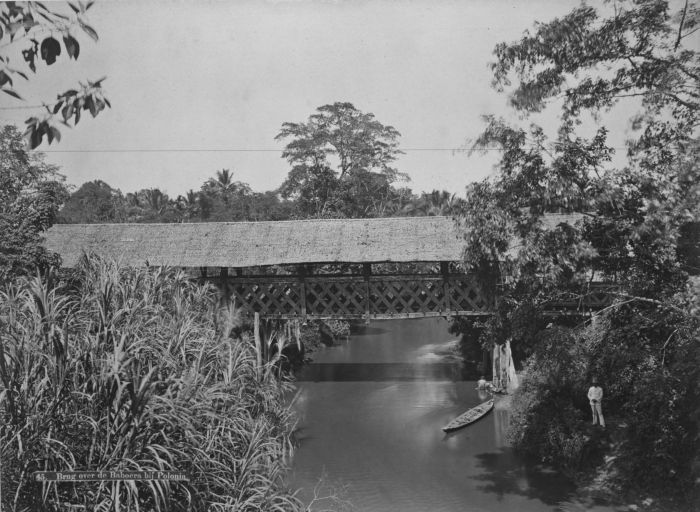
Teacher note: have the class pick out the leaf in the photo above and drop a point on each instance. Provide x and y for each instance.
(56, 134)
(57, 107)
(67, 111)
(90, 105)
(4, 78)
(35, 136)
(98, 83)
(75, 8)
(11, 92)
(50, 49)
(89, 30)
(72, 46)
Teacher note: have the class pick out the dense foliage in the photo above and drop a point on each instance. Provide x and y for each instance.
(625, 227)
(31, 193)
(341, 162)
(136, 369)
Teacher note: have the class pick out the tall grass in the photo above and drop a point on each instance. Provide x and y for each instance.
(136, 369)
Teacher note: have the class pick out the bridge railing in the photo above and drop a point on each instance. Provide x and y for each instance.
(361, 297)
(378, 296)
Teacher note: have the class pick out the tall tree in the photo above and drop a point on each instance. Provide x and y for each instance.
(31, 193)
(632, 219)
(32, 27)
(223, 187)
(342, 162)
(223, 199)
(94, 202)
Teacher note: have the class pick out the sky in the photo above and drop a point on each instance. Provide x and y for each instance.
(199, 86)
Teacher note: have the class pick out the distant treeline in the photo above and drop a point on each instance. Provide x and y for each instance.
(221, 199)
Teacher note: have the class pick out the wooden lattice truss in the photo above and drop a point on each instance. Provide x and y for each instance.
(375, 297)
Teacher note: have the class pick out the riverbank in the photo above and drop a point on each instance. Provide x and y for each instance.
(586, 453)
(376, 435)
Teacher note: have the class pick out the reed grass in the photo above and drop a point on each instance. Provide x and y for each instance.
(137, 369)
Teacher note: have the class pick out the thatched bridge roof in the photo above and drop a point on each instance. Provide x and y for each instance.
(250, 244)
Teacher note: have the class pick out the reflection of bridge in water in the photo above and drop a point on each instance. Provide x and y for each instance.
(341, 268)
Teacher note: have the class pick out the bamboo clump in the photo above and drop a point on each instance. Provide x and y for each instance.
(137, 369)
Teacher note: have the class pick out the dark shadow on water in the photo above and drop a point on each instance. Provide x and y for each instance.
(381, 372)
(366, 330)
(503, 473)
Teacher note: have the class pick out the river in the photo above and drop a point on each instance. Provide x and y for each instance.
(370, 416)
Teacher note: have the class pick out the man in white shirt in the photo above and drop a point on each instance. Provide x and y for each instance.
(595, 395)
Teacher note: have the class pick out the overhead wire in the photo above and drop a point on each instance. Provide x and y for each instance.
(246, 150)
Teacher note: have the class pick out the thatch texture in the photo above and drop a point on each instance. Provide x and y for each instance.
(250, 244)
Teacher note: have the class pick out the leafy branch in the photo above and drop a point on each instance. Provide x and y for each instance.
(26, 23)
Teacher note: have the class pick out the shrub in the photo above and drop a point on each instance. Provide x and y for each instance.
(550, 408)
(647, 357)
(136, 369)
(338, 328)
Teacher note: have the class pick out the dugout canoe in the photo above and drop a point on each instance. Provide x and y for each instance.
(470, 416)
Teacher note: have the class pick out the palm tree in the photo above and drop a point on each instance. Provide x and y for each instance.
(224, 187)
(155, 200)
(224, 180)
(188, 204)
(435, 203)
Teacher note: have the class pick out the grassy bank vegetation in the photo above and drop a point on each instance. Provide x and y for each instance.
(136, 369)
(648, 362)
(646, 357)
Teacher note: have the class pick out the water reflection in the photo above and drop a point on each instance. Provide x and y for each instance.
(370, 419)
(502, 474)
(378, 372)
(501, 417)
(483, 394)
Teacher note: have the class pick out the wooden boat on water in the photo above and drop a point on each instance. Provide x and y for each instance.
(470, 416)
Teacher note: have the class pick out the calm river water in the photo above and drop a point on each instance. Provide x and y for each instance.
(371, 412)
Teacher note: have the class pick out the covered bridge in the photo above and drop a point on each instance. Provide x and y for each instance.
(323, 268)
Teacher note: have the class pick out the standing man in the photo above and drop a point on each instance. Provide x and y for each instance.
(595, 395)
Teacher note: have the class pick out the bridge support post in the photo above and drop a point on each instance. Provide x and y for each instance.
(223, 282)
(367, 273)
(258, 341)
(302, 291)
(445, 271)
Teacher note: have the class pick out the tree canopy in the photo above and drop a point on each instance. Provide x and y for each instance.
(94, 202)
(31, 193)
(632, 218)
(342, 162)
